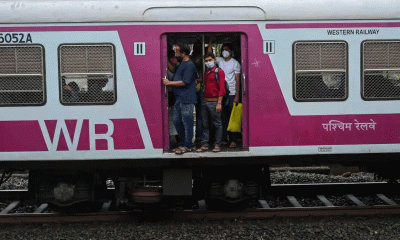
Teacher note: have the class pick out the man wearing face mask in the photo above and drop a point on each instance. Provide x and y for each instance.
(185, 98)
(232, 69)
(214, 92)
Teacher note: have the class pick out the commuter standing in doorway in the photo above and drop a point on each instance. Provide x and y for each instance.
(185, 98)
(212, 102)
(231, 68)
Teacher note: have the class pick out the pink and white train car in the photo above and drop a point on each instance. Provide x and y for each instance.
(320, 80)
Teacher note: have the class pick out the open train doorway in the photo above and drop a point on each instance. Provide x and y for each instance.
(230, 50)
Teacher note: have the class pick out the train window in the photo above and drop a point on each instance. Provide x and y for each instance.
(22, 75)
(87, 74)
(320, 71)
(381, 70)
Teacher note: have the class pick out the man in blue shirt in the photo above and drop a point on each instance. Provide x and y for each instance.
(185, 95)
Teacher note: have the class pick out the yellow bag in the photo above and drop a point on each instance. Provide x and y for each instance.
(198, 87)
(235, 122)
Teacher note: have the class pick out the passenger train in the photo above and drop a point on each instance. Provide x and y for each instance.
(82, 99)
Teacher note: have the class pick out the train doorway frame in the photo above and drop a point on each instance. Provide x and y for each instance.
(243, 83)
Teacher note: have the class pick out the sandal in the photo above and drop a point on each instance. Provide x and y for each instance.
(176, 149)
(233, 145)
(217, 149)
(183, 150)
(202, 149)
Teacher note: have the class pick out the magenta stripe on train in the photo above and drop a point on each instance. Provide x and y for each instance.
(20, 136)
(332, 25)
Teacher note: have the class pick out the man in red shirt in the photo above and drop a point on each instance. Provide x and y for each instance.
(212, 102)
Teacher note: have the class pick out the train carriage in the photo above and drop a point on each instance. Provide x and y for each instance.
(320, 82)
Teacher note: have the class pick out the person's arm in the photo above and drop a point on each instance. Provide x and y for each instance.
(237, 78)
(219, 104)
(209, 49)
(174, 83)
(221, 93)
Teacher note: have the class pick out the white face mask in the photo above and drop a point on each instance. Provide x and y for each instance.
(225, 54)
(210, 64)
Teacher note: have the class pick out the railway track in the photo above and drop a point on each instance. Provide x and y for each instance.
(291, 194)
(253, 214)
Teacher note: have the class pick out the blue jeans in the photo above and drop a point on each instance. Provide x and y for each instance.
(183, 121)
(209, 113)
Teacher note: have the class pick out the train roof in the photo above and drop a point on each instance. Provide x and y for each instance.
(86, 11)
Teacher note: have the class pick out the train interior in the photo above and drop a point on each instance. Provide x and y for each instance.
(199, 43)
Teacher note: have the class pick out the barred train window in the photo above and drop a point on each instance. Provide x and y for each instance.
(320, 71)
(21, 75)
(87, 74)
(381, 70)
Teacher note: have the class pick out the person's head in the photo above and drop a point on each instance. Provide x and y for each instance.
(209, 60)
(227, 50)
(73, 86)
(69, 89)
(182, 50)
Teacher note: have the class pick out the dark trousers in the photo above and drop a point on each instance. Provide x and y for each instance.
(211, 115)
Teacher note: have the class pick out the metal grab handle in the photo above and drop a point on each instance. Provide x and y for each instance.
(244, 84)
(165, 88)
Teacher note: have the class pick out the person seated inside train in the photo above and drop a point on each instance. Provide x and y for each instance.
(232, 70)
(214, 92)
(70, 92)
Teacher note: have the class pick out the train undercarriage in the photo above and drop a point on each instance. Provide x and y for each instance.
(171, 186)
(138, 188)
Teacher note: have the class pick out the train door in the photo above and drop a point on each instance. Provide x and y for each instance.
(199, 43)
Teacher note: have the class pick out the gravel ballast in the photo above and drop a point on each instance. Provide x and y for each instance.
(309, 178)
(299, 228)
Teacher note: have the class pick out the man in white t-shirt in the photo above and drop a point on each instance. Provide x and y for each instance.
(232, 69)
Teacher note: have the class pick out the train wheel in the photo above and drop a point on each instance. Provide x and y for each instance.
(65, 188)
(236, 187)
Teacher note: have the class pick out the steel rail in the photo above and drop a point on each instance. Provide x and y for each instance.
(190, 215)
(293, 189)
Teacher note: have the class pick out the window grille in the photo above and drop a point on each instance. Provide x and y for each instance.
(87, 74)
(381, 70)
(320, 71)
(21, 75)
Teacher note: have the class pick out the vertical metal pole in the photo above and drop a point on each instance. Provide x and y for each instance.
(203, 44)
(164, 92)
(245, 96)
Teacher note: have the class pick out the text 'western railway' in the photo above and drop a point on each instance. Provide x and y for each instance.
(353, 32)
